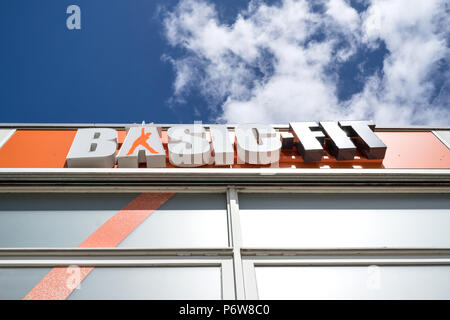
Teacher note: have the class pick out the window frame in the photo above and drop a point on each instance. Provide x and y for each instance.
(130, 257)
(254, 258)
(238, 267)
(81, 257)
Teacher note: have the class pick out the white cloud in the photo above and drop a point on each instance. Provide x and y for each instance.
(279, 63)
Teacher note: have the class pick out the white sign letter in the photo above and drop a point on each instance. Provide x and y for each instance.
(93, 148)
(188, 146)
(222, 145)
(257, 144)
(142, 144)
(308, 146)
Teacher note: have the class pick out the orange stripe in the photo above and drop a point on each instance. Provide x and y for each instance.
(55, 285)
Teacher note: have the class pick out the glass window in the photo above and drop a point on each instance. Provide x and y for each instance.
(124, 283)
(15, 283)
(343, 220)
(185, 221)
(151, 283)
(67, 220)
(54, 220)
(353, 282)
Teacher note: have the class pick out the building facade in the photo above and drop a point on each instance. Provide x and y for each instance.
(355, 228)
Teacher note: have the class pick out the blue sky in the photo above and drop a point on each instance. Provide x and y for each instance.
(141, 60)
(109, 71)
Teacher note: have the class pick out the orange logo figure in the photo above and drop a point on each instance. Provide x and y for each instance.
(142, 141)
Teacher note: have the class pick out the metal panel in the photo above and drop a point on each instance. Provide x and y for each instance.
(233, 211)
(93, 178)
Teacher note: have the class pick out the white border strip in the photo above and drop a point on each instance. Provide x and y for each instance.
(7, 137)
(162, 175)
(282, 126)
(442, 139)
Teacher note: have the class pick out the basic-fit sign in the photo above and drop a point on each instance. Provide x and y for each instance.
(191, 146)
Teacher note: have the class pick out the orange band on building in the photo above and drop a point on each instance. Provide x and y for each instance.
(405, 150)
(48, 147)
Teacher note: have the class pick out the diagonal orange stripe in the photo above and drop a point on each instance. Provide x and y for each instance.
(59, 283)
(119, 226)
